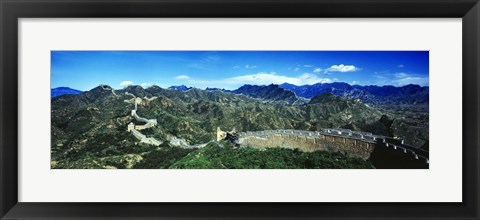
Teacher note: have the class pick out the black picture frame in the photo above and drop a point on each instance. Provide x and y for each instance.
(12, 10)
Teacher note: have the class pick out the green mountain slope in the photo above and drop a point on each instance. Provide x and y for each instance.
(223, 156)
(89, 130)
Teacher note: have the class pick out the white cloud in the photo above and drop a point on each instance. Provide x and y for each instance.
(268, 78)
(421, 81)
(308, 66)
(342, 68)
(317, 70)
(146, 85)
(262, 78)
(400, 66)
(405, 79)
(401, 75)
(182, 77)
(126, 83)
(402, 79)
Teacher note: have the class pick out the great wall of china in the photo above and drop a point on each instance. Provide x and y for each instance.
(355, 143)
(144, 123)
(148, 123)
(108, 88)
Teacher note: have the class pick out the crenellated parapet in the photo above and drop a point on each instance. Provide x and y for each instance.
(307, 141)
(356, 143)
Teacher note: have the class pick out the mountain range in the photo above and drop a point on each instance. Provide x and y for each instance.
(270, 92)
(384, 96)
(389, 97)
(63, 91)
(90, 128)
(180, 88)
(377, 95)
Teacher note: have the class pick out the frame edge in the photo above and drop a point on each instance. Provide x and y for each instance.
(8, 82)
(471, 113)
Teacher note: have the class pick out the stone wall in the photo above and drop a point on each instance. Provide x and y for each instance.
(131, 127)
(308, 142)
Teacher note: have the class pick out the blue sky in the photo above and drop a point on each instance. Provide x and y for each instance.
(84, 70)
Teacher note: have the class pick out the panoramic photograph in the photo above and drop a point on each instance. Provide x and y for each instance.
(239, 110)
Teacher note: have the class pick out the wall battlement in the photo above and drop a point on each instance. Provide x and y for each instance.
(355, 143)
(307, 141)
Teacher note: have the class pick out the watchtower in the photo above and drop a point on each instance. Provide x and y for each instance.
(221, 134)
(130, 126)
